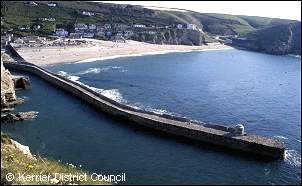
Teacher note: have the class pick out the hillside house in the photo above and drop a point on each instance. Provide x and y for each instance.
(76, 35)
(32, 3)
(139, 26)
(88, 35)
(86, 13)
(107, 26)
(191, 27)
(61, 32)
(91, 26)
(128, 33)
(51, 4)
(80, 26)
(51, 19)
(36, 27)
(179, 26)
(100, 33)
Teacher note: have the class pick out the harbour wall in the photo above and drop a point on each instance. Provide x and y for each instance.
(258, 145)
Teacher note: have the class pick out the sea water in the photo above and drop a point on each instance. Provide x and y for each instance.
(227, 87)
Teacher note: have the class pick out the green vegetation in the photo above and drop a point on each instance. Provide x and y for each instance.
(15, 162)
(15, 14)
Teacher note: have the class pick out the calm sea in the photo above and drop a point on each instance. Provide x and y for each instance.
(225, 87)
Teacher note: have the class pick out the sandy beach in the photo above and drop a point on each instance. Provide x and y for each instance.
(102, 49)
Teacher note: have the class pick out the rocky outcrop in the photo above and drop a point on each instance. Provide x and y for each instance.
(9, 83)
(21, 82)
(171, 36)
(7, 86)
(279, 40)
(20, 116)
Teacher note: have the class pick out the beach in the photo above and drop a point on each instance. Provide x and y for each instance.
(98, 49)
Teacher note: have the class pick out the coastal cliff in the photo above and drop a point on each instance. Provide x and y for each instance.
(172, 36)
(8, 93)
(278, 40)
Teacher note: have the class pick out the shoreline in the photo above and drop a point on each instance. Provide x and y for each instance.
(103, 50)
(142, 54)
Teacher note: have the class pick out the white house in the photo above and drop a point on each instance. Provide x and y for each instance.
(37, 27)
(128, 33)
(61, 32)
(179, 26)
(107, 26)
(76, 35)
(191, 27)
(33, 3)
(88, 35)
(51, 4)
(139, 26)
(88, 13)
(92, 26)
(80, 26)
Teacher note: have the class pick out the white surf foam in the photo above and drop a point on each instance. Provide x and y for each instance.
(90, 70)
(98, 70)
(71, 77)
(281, 137)
(293, 158)
(141, 106)
(146, 53)
(113, 94)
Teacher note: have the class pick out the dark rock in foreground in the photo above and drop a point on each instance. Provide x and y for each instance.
(21, 82)
(20, 116)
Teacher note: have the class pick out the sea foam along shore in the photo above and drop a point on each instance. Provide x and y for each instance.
(147, 53)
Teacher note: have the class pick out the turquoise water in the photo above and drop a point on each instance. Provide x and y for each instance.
(224, 87)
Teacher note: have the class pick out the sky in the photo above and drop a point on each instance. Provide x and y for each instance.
(274, 9)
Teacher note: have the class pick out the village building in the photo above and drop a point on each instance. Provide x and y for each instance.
(86, 13)
(51, 4)
(32, 3)
(128, 33)
(51, 19)
(75, 35)
(191, 27)
(179, 26)
(37, 27)
(139, 26)
(80, 26)
(107, 26)
(61, 32)
(88, 35)
(91, 26)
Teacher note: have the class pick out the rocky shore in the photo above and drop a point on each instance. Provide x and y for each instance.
(9, 85)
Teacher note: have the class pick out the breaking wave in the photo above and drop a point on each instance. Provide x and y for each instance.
(98, 70)
(281, 137)
(293, 158)
(140, 106)
(113, 94)
(90, 70)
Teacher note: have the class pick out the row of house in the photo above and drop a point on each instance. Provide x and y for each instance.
(82, 30)
(50, 4)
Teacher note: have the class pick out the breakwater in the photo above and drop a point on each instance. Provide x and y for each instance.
(170, 124)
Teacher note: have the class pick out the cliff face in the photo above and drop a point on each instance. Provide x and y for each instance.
(171, 36)
(7, 86)
(279, 40)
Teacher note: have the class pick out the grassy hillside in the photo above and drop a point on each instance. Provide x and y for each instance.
(286, 38)
(15, 162)
(19, 13)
